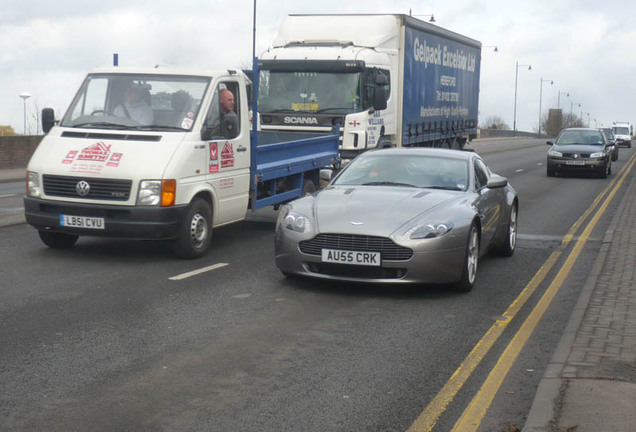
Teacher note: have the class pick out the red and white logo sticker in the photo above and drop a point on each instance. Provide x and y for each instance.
(70, 157)
(227, 156)
(214, 158)
(97, 152)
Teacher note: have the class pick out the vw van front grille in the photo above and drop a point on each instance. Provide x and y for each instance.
(98, 189)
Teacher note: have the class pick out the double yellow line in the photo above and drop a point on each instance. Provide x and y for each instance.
(476, 410)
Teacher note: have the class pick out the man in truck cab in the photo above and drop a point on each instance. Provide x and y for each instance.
(229, 120)
(136, 105)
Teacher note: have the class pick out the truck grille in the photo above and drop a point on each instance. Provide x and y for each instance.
(389, 250)
(98, 189)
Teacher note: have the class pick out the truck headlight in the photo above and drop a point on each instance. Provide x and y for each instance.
(33, 184)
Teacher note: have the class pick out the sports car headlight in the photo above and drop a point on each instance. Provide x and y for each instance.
(428, 231)
(295, 221)
(555, 153)
(597, 155)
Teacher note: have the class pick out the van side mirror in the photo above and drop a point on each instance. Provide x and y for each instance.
(379, 93)
(549, 143)
(48, 119)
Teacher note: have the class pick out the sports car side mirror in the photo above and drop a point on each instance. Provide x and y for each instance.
(497, 182)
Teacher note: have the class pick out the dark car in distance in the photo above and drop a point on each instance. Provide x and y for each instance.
(580, 151)
(609, 135)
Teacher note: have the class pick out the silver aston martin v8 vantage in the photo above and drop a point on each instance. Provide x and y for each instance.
(401, 215)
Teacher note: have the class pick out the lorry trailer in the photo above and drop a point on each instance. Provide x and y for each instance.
(332, 69)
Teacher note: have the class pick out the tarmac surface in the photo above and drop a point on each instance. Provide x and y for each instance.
(590, 383)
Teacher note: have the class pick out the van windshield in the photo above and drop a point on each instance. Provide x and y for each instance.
(136, 101)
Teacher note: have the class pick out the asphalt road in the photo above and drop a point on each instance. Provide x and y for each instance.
(114, 335)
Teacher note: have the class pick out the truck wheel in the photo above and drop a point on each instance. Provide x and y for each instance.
(195, 231)
(57, 240)
(309, 187)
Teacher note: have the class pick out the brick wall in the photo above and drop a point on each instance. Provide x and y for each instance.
(15, 151)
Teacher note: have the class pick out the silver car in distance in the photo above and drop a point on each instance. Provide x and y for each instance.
(419, 215)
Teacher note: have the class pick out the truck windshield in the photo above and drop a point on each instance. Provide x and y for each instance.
(315, 92)
(131, 101)
(621, 130)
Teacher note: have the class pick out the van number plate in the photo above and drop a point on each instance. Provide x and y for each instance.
(351, 257)
(82, 222)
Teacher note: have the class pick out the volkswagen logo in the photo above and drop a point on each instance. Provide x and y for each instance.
(82, 188)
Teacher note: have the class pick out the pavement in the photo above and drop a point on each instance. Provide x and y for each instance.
(590, 383)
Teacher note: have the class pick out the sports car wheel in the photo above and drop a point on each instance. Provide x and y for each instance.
(469, 272)
(509, 242)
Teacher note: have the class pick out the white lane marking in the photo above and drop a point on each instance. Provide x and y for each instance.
(540, 163)
(519, 170)
(197, 272)
(8, 196)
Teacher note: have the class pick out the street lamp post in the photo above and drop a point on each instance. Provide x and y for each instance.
(514, 126)
(541, 97)
(559, 98)
(24, 96)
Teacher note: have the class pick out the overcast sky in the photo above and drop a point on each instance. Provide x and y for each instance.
(586, 47)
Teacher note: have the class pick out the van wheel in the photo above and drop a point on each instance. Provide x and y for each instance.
(57, 240)
(195, 232)
(309, 187)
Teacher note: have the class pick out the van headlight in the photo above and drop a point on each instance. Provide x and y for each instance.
(33, 185)
(149, 193)
(598, 155)
(555, 153)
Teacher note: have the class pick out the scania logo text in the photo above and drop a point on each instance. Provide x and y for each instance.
(82, 188)
(301, 120)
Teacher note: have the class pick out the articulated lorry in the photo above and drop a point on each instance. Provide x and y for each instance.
(324, 70)
(623, 132)
(164, 154)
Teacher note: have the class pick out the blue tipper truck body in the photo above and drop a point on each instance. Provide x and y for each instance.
(430, 77)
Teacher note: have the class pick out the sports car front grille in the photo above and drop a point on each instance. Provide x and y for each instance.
(357, 272)
(100, 189)
(388, 249)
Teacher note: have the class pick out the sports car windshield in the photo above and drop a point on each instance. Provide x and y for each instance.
(136, 101)
(573, 137)
(420, 171)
